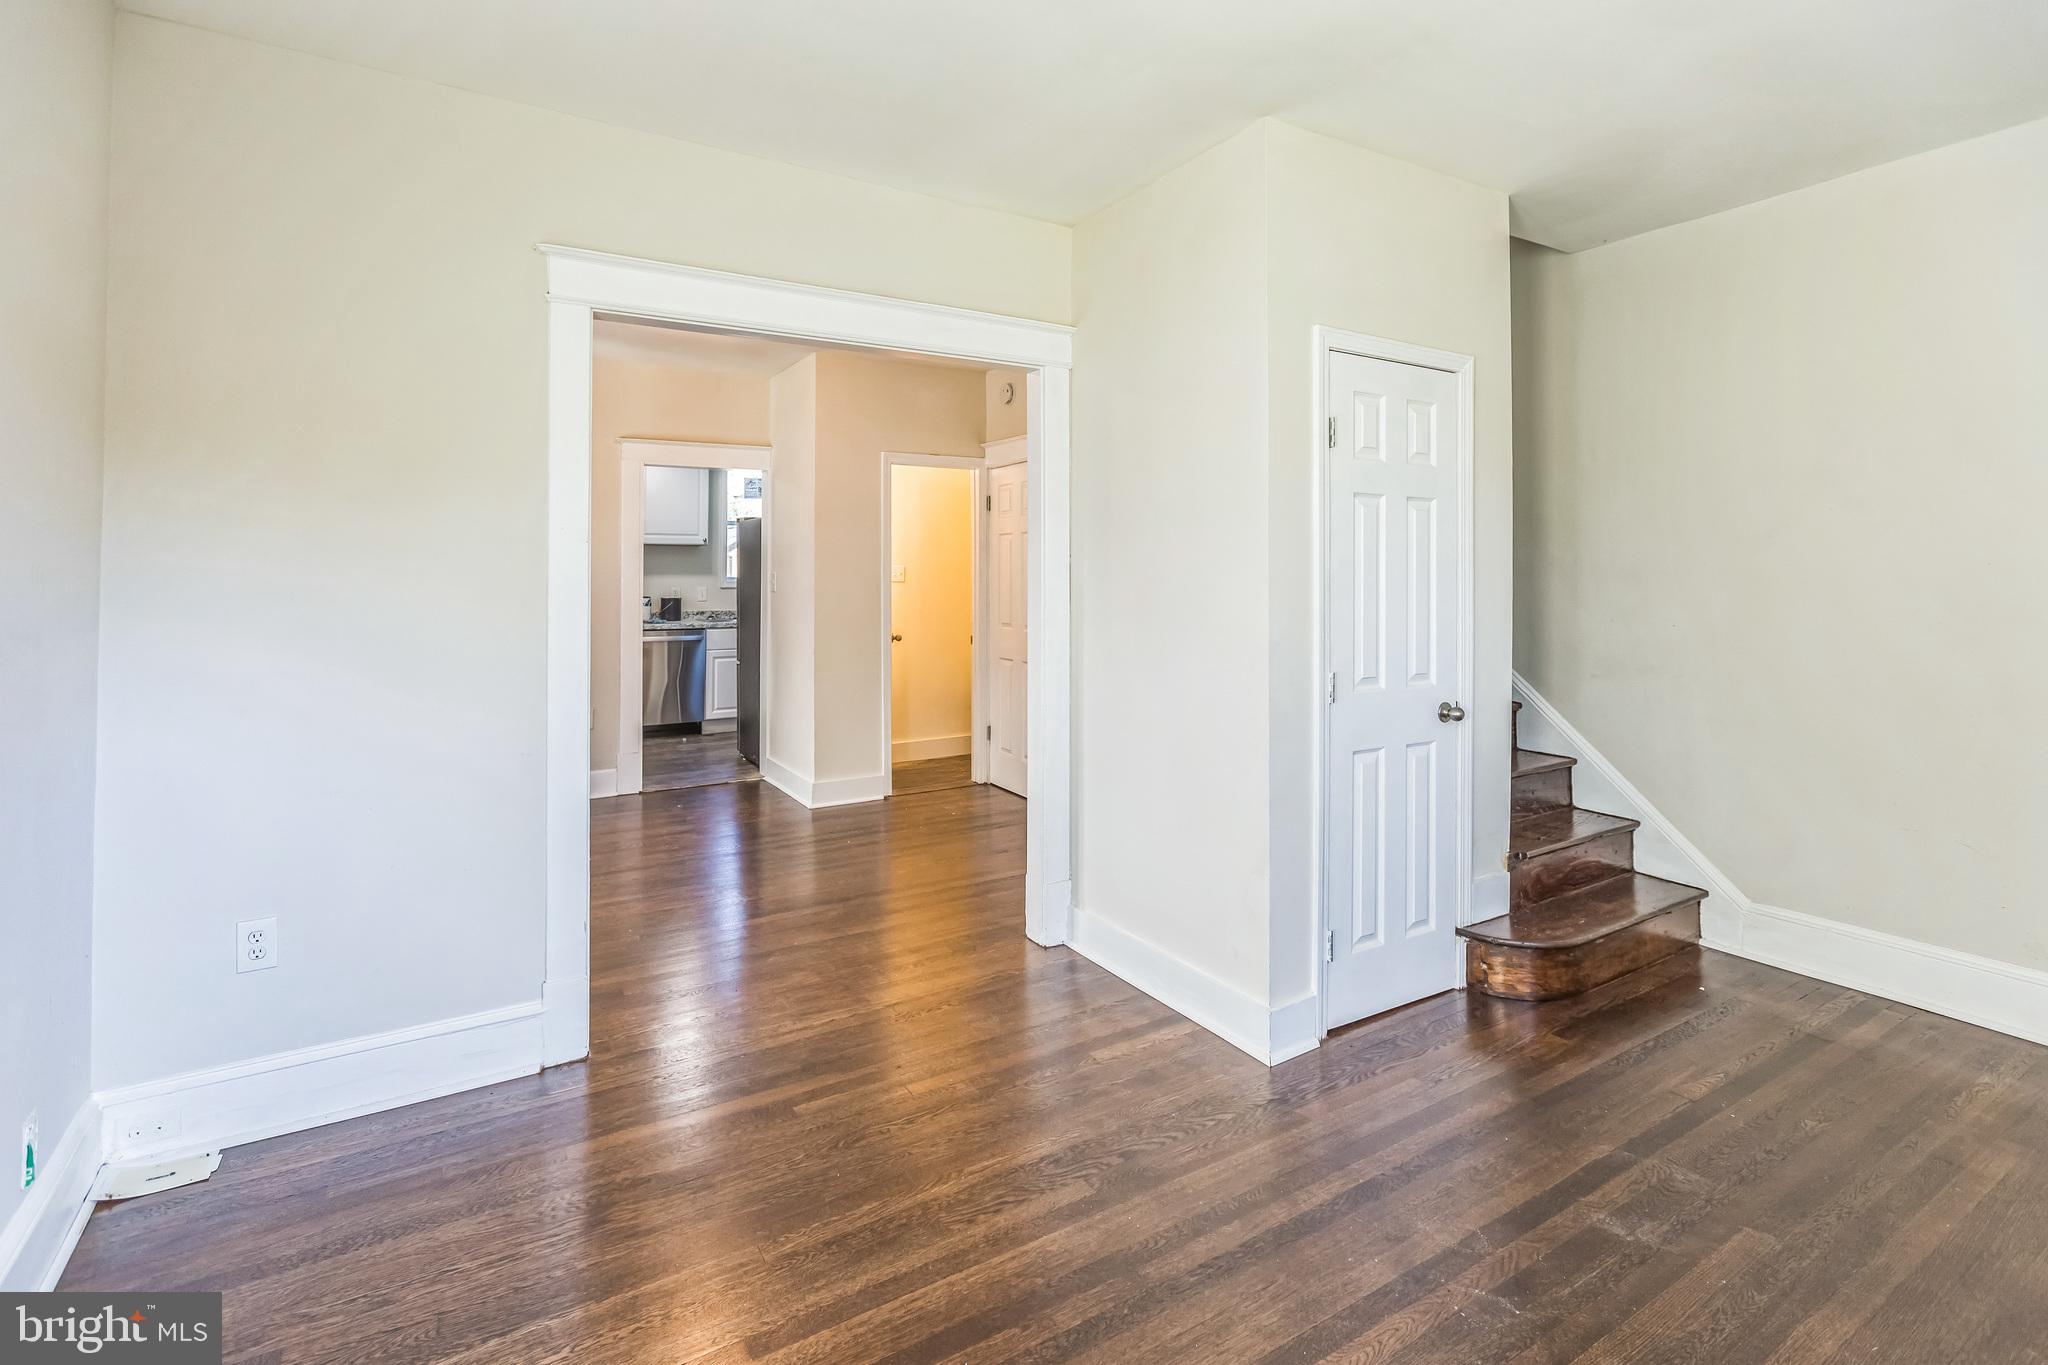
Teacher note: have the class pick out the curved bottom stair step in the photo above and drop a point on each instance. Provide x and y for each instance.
(1583, 938)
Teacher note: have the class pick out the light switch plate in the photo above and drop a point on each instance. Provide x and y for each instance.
(896, 574)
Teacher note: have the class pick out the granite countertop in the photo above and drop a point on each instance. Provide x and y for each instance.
(695, 620)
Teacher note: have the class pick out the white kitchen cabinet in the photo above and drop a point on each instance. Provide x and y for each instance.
(721, 684)
(678, 506)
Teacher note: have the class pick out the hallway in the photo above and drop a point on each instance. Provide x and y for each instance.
(838, 1109)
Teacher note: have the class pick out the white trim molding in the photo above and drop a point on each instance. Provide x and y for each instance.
(1008, 451)
(1977, 990)
(1267, 1035)
(288, 1091)
(936, 746)
(37, 1241)
(1326, 341)
(605, 283)
(566, 831)
(603, 782)
(582, 284)
(815, 794)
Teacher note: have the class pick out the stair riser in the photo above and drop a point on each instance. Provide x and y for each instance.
(1552, 874)
(1553, 973)
(1542, 791)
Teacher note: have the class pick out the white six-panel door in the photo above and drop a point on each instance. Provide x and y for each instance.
(1009, 565)
(1392, 765)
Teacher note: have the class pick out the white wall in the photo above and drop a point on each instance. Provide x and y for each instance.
(1780, 479)
(1195, 300)
(326, 446)
(789, 698)
(1365, 243)
(1170, 464)
(865, 405)
(54, 83)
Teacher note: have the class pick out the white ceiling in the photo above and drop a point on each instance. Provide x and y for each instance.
(1603, 118)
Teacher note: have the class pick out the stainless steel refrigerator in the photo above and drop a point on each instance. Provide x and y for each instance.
(751, 585)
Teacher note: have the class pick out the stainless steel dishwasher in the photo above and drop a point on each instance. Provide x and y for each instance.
(672, 677)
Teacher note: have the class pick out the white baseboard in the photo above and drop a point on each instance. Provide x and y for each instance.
(1977, 990)
(289, 1091)
(791, 784)
(604, 782)
(1295, 1027)
(849, 791)
(1268, 1035)
(565, 1020)
(938, 746)
(38, 1239)
(837, 791)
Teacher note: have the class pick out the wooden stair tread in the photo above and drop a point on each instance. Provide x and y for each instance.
(1529, 761)
(1586, 915)
(1546, 831)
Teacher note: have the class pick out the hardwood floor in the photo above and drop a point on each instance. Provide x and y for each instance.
(932, 774)
(839, 1110)
(670, 759)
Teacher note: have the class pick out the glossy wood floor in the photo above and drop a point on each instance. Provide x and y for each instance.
(931, 774)
(670, 759)
(838, 1110)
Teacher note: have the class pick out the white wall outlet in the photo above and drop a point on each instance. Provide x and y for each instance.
(703, 594)
(256, 944)
(31, 1148)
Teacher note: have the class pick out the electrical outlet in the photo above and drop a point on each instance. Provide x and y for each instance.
(31, 1148)
(703, 594)
(256, 944)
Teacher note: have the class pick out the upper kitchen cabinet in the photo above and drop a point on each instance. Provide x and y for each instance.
(678, 508)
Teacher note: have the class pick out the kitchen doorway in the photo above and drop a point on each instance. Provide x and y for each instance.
(690, 642)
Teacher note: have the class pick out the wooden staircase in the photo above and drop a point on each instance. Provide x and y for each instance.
(1579, 914)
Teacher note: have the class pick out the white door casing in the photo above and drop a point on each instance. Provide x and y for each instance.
(977, 576)
(1009, 633)
(1393, 769)
(583, 284)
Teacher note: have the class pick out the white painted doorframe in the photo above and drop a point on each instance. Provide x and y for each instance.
(978, 571)
(994, 455)
(1325, 341)
(582, 284)
(636, 453)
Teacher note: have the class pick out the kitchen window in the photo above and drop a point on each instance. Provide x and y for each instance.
(742, 500)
